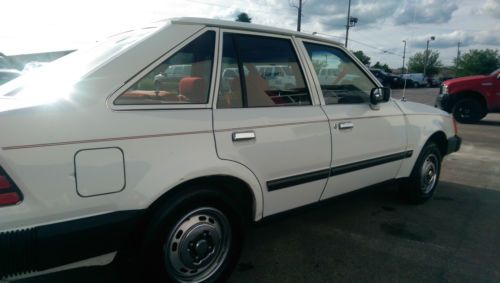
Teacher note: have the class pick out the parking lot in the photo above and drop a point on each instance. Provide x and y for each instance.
(370, 235)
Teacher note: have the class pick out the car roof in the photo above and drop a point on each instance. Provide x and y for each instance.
(248, 27)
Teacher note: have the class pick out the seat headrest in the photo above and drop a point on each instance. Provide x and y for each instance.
(194, 88)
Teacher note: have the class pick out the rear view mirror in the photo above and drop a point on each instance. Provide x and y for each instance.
(379, 95)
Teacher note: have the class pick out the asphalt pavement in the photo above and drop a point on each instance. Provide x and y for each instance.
(370, 235)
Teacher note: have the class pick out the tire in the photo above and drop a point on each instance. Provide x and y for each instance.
(467, 110)
(421, 184)
(195, 237)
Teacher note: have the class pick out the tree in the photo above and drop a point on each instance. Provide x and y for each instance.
(243, 17)
(384, 67)
(416, 62)
(362, 57)
(478, 62)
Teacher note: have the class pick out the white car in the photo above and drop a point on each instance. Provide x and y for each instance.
(98, 164)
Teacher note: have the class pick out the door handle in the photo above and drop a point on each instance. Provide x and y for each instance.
(242, 136)
(346, 125)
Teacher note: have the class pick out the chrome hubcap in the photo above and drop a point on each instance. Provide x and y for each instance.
(198, 245)
(429, 173)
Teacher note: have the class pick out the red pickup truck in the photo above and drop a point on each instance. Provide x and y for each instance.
(470, 98)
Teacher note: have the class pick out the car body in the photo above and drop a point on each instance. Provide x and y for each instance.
(386, 79)
(8, 74)
(470, 98)
(99, 159)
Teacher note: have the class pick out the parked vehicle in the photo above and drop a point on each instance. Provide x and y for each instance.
(278, 76)
(386, 79)
(434, 82)
(337, 75)
(471, 98)
(415, 79)
(98, 161)
(8, 74)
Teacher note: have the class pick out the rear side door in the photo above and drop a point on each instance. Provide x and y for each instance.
(280, 133)
(368, 144)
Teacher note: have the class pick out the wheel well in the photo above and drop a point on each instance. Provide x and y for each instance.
(439, 138)
(472, 95)
(234, 188)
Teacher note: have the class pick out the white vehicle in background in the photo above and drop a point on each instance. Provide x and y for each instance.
(278, 76)
(98, 161)
(327, 75)
(415, 80)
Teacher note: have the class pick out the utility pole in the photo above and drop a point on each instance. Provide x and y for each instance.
(299, 13)
(347, 23)
(299, 16)
(458, 58)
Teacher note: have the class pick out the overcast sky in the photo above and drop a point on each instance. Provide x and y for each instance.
(28, 26)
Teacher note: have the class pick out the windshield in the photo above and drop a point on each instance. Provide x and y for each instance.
(63, 73)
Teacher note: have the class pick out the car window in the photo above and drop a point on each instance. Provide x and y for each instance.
(259, 80)
(183, 78)
(344, 82)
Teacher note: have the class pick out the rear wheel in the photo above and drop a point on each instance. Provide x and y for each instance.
(467, 110)
(197, 237)
(421, 184)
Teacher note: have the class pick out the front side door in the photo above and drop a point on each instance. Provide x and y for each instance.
(367, 145)
(278, 131)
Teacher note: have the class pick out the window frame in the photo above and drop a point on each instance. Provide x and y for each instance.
(300, 60)
(342, 49)
(142, 73)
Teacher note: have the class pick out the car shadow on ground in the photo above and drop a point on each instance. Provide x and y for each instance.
(367, 235)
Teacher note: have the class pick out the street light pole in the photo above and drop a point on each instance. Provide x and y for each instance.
(403, 71)
(427, 54)
(347, 23)
(404, 56)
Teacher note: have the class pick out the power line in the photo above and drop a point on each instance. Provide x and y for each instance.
(385, 51)
(377, 48)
